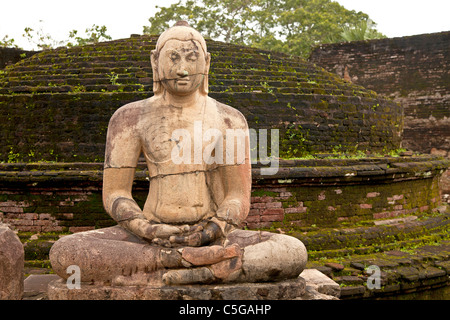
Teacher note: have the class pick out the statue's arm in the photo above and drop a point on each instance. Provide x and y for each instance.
(120, 205)
(234, 208)
(236, 176)
(122, 151)
(123, 148)
(117, 198)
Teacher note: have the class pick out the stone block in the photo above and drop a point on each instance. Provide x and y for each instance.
(321, 282)
(349, 280)
(444, 265)
(408, 273)
(432, 272)
(353, 291)
(11, 265)
(282, 290)
(335, 266)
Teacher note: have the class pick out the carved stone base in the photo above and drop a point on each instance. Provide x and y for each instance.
(283, 290)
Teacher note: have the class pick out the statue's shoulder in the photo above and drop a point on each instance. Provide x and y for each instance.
(232, 117)
(131, 112)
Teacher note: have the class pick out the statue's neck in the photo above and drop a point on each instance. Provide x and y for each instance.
(194, 100)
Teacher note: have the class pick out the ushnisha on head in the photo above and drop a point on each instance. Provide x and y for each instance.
(180, 61)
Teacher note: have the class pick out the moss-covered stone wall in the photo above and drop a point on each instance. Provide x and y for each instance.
(55, 106)
(413, 71)
(350, 214)
(9, 56)
(303, 194)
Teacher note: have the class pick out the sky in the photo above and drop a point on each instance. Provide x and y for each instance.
(394, 18)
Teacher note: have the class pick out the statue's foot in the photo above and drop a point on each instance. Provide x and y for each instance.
(220, 264)
(201, 256)
(139, 279)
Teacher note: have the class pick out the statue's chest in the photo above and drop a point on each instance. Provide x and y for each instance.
(176, 139)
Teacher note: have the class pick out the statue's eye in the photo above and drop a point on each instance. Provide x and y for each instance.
(174, 56)
(193, 56)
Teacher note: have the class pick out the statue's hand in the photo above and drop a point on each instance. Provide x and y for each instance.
(200, 235)
(144, 229)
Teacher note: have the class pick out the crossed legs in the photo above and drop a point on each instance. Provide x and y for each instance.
(114, 255)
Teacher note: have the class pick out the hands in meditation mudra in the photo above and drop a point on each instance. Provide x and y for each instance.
(188, 231)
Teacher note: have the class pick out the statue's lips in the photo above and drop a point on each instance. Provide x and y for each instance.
(182, 82)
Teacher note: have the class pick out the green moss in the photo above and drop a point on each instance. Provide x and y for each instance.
(261, 193)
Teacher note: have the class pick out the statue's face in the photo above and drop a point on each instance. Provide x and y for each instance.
(181, 66)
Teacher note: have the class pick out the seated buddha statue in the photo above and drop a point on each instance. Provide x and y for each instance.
(190, 229)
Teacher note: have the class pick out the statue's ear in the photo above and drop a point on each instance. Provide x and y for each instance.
(208, 61)
(154, 60)
(205, 89)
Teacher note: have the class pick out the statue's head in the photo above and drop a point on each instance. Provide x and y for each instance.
(180, 61)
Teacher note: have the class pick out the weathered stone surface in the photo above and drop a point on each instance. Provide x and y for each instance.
(197, 202)
(444, 265)
(408, 273)
(357, 265)
(432, 272)
(11, 265)
(426, 103)
(352, 280)
(283, 290)
(35, 286)
(352, 291)
(335, 266)
(321, 282)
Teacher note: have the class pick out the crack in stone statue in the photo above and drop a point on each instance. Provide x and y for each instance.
(188, 231)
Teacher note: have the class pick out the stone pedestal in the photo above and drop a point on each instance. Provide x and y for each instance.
(295, 289)
(11, 265)
(284, 290)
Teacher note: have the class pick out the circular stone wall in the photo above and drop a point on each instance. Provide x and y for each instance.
(55, 106)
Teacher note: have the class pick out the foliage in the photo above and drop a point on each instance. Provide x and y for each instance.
(44, 41)
(289, 26)
(363, 30)
(94, 34)
(7, 43)
(40, 39)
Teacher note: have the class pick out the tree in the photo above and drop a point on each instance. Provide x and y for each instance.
(40, 39)
(45, 41)
(94, 34)
(363, 30)
(289, 26)
(6, 42)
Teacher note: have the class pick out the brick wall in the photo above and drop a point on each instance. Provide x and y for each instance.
(413, 71)
(56, 105)
(67, 197)
(9, 56)
(290, 207)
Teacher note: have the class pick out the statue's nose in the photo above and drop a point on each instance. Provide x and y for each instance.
(182, 72)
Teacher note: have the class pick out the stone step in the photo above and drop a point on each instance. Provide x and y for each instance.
(411, 240)
(145, 84)
(138, 55)
(257, 75)
(35, 286)
(216, 78)
(243, 66)
(420, 267)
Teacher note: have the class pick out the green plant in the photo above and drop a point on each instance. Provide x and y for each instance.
(13, 157)
(79, 88)
(266, 87)
(113, 78)
(7, 43)
(94, 34)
